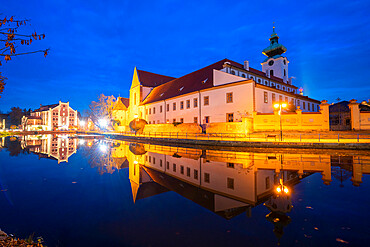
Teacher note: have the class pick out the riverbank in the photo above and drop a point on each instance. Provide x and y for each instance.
(241, 142)
(9, 241)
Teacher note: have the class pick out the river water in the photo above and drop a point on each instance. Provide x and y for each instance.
(85, 191)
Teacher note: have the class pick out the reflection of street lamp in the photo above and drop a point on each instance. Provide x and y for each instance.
(279, 106)
(136, 119)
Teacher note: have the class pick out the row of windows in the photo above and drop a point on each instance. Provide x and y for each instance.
(229, 99)
(273, 97)
(266, 82)
(206, 176)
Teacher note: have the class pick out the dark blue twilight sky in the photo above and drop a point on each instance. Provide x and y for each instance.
(96, 44)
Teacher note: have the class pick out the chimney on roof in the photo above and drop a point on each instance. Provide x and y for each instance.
(246, 65)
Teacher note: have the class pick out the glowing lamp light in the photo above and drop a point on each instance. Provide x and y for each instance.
(82, 142)
(276, 106)
(286, 190)
(103, 148)
(284, 105)
(135, 162)
(103, 123)
(278, 189)
(136, 116)
(82, 123)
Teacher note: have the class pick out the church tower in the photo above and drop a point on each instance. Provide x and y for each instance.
(275, 64)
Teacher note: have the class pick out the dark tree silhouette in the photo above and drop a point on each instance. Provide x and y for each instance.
(11, 39)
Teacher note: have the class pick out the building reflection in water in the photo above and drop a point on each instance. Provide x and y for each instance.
(56, 147)
(230, 183)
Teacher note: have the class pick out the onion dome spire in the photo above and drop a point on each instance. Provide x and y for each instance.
(274, 49)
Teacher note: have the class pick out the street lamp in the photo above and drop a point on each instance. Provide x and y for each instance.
(279, 106)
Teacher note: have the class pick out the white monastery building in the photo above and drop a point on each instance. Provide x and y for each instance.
(224, 91)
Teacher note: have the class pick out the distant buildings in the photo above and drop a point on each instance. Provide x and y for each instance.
(343, 118)
(51, 117)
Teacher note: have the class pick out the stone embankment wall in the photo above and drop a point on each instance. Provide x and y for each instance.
(184, 127)
(297, 120)
(360, 120)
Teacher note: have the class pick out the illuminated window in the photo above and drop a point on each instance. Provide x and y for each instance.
(229, 117)
(187, 104)
(207, 177)
(182, 105)
(206, 100)
(230, 183)
(265, 99)
(195, 102)
(174, 106)
(229, 97)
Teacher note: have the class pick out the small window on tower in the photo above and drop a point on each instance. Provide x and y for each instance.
(271, 72)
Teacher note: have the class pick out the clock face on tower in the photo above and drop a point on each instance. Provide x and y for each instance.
(271, 62)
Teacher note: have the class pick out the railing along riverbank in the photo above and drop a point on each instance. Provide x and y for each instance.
(259, 137)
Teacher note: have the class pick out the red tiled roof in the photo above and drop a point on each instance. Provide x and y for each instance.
(195, 81)
(148, 79)
(125, 101)
(45, 107)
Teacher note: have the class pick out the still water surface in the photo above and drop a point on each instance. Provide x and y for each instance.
(97, 192)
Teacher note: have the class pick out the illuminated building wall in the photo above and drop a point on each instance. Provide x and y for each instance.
(55, 117)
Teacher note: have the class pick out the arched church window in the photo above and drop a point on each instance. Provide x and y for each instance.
(243, 75)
